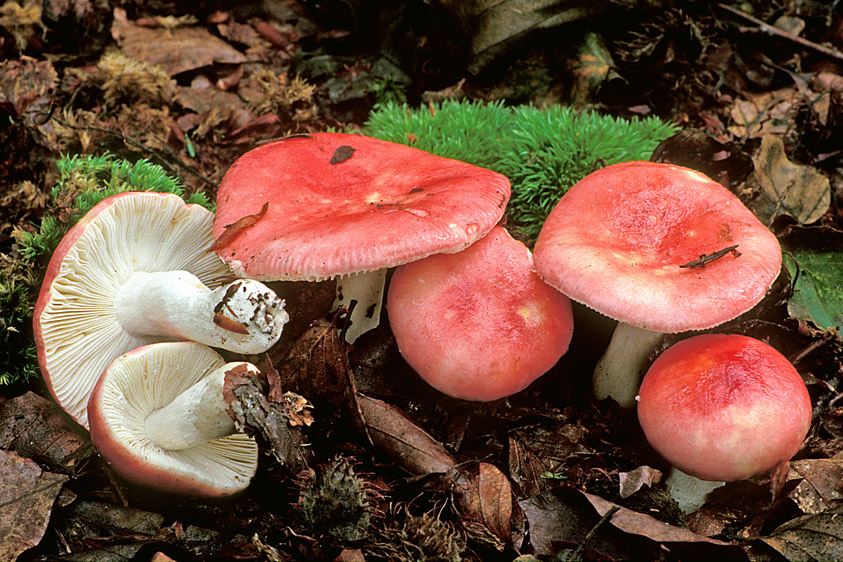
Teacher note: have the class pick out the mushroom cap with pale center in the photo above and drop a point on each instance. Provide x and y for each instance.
(625, 240)
(479, 324)
(139, 383)
(724, 407)
(323, 205)
(77, 333)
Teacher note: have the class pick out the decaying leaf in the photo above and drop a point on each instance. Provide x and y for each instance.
(174, 50)
(409, 445)
(785, 188)
(810, 538)
(814, 260)
(342, 154)
(236, 228)
(566, 515)
(821, 486)
(634, 480)
(27, 495)
(38, 429)
(486, 505)
(767, 113)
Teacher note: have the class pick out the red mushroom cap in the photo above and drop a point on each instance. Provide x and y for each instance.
(627, 241)
(724, 407)
(329, 204)
(479, 324)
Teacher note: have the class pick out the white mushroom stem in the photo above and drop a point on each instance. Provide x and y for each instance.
(244, 316)
(689, 492)
(197, 415)
(367, 290)
(618, 373)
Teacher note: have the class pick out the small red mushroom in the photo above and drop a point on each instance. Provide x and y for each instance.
(659, 248)
(479, 324)
(335, 205)
(723, 407)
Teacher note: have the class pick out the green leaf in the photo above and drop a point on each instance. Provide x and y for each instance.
(815, 260)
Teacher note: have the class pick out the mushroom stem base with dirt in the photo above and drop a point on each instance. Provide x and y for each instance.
(366, 290)
(689, 492)
(619, 371)
(244, 316)
(197, 415)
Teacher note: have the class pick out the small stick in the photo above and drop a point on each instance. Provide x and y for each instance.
(706, 259)
(776, 32)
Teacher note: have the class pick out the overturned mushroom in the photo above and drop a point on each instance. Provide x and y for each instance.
(135, 270)
(159, 418)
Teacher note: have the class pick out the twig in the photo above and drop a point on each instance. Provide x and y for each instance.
(575, 554)
(165, 156)
(776, 32)
(706, 259)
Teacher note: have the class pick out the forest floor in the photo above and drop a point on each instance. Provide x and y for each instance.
(547, 474)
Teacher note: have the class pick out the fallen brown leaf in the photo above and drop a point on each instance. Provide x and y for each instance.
(785, 188)
(821, 486)
(26, 497)
(401, 439)
(38, 429)
(559, 516)
(634, 480)
(486, 505)
(811, 537)
(174, 50)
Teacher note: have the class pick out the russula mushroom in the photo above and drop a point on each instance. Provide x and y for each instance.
(335, 205)
(719, 408)
(159, 419)
(659, 248)
(479, 324)
(135, 270)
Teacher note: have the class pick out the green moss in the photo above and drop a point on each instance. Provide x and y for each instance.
(83, 182)
(542, 152)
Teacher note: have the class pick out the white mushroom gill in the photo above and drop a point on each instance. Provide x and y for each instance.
(142, 259)
(166, 377)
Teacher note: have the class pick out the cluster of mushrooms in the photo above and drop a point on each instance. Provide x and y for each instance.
(144, 286)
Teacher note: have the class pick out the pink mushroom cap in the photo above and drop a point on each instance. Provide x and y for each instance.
(624, 241)
(724, 407)
(330, 204)
(480, 324)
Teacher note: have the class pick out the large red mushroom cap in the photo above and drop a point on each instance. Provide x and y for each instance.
(724, 407)
(628, 241)
(324, 205)
(480, 324)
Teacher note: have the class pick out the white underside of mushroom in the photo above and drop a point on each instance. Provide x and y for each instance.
(689, 492)
(619, 371)
(197, 415)
(244, 316)
(161, 388)
(366, 290)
